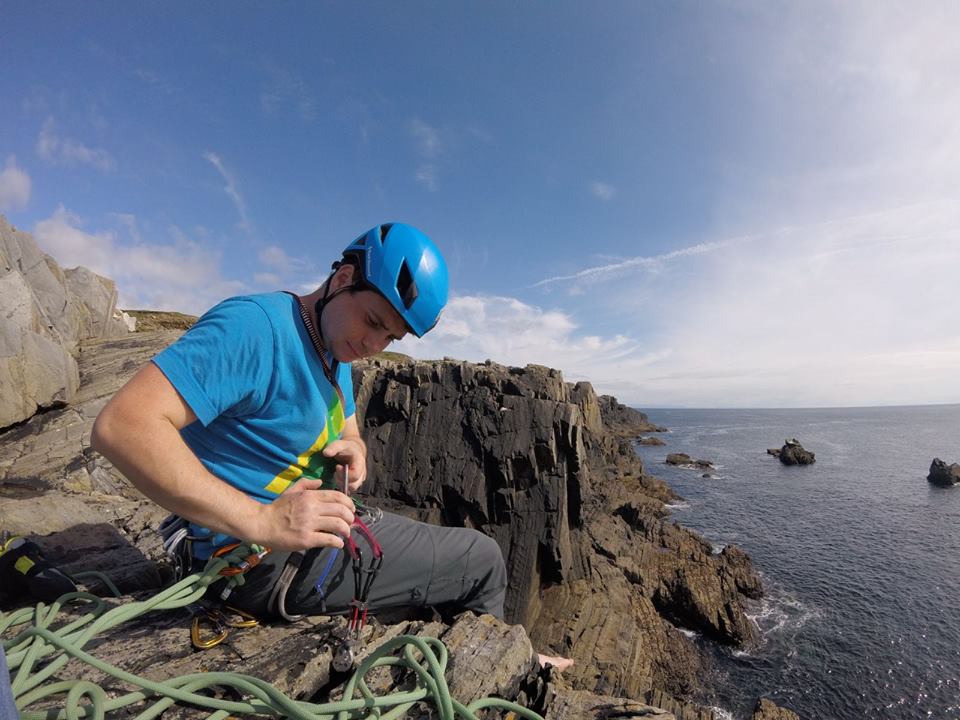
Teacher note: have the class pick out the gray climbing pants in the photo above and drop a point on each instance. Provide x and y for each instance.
(422, 565)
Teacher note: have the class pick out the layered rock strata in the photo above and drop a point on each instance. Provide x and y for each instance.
(44, 312)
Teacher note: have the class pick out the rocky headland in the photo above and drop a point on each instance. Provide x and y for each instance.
(598, 571)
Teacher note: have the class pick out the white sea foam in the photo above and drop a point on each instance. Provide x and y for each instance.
(688, 632)
(679, 505)
(721, 713)
(778, 612)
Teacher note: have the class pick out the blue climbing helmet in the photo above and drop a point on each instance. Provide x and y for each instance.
(403, 265)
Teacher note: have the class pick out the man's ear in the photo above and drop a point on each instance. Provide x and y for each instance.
(343, 277)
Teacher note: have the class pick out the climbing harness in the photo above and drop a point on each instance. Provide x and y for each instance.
(38, 653)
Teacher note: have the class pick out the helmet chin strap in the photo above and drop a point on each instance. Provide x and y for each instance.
(321, 304)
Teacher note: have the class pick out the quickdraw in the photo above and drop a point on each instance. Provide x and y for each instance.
(363, 578)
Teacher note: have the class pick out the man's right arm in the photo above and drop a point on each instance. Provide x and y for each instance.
(139, 432)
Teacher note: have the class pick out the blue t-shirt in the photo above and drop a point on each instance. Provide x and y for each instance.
(265, 409)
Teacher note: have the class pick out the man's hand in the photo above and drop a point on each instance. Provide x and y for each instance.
(349, 453)
(306, 517)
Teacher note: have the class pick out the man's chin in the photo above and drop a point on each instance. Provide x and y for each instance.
(346, 353)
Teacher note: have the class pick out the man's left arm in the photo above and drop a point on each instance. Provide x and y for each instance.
(350, 451)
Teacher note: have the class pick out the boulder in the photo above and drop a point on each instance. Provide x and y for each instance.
(768, 710)
(685, 461)
(36, 370)
(793, 453)
(655, 441)
(44, 312)
(943, 474)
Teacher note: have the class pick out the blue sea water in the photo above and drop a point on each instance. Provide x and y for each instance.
(859, 554)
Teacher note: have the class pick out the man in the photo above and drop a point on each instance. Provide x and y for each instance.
(239, 425)
(246, 428)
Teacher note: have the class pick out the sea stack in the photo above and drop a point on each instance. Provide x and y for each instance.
(793, 453)
(942, 474)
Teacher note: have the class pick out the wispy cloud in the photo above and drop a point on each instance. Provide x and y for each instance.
(286, 90)
(232, 188)
(429, 147)
(603, 191)
(59, 149)
(602, 272)
(173, 273)
(15, 186)
(155, 80)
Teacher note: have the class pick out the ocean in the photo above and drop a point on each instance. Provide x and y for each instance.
(859, 555)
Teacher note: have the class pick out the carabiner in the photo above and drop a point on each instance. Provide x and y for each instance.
(218, 633)
(229, 613)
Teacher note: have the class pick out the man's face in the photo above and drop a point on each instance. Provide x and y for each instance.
(360, 324)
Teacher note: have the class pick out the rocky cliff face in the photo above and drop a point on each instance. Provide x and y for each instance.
(598, 571)
(44, 312)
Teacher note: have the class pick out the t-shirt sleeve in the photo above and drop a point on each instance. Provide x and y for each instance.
(223, 365)
(345, 380)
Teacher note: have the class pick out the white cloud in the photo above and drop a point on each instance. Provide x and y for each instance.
(277, 259)
(58, 149)
(176, 273)
(232, 189)
(14, 186)
(512, 332)
(429, 146)
(603, 191)
(267, 279)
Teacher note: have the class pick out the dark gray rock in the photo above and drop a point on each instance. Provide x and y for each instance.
(768, 710)
(944, 475)
(685, 461)
(625, 420)
(654, 441)
(793, 453)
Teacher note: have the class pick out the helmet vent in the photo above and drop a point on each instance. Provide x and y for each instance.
(406, 287)
(384, 231)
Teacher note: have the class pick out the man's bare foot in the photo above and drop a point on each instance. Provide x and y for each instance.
(560, 663)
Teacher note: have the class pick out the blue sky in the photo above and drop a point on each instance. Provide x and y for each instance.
(726, 204)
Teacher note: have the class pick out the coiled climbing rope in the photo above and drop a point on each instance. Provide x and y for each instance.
(36, 654)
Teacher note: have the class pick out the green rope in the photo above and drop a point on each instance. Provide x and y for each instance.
(38, 652)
